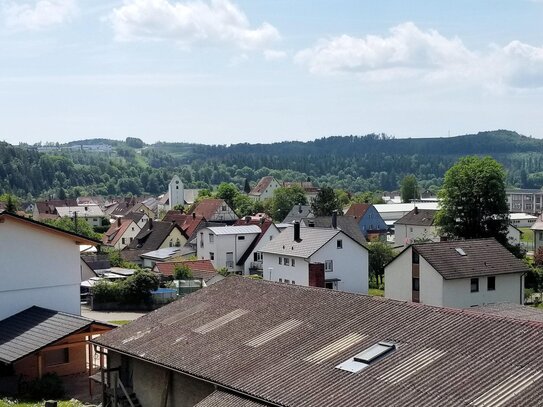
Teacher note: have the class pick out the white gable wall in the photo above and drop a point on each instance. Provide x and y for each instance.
(430, 284)
(299, 273)
(457, 293)
(37, 268)
(398, 277)
(407, 234)
(270, 234)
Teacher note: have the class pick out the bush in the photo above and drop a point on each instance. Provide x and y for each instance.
(182, 272)
(137, 288)
(106, 291)
(48, 387)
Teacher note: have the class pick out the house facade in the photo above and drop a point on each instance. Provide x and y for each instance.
(417, 225)
(92, 214)
(214, 210)
(264, 189)
(318, 257)
(40, 266)
(456, 274)
(525, 200)
(121, 233)
(370, 222)
(226, 245)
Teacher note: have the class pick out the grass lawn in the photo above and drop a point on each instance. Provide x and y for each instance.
(527, 235)
(120, 322)
(376, 292)
(5, 402)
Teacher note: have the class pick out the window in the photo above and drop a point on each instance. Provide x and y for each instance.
(415, 257)
(286, 260)
(411, 230)
(280, 280)
(223, 208)
(131, 239)
(328, 265)
(211, 238)
(230, 260)
(280, 260)
(340, 244)
(57, 357)
(271, 237)
(293, 262)
(132, 228)
(202, 239)
(474, 285)
(211, 256)
(287, 281)
(293, 282)
(241, 237)
(491, 283)
(331, 285)
(123, 240)
(416, 284)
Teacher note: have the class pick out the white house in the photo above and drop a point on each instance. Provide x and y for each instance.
(264, 189)
(457, 274)
(225, 245)
(416, 225)
(316, 257)
(40, 266)
(92, 214)
(121, 233)
(251, 260)
(522, 220)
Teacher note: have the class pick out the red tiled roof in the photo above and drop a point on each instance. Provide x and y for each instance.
(358, 210)
(261, 186)
(199, 268)
(207, 208)
(115, 232)
(188, 223)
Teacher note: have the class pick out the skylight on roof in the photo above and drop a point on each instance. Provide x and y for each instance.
(365, 358)
(460, 251)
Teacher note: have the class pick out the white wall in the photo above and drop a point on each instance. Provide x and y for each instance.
(457, 293)
(407, 234)
(350, 264)
(431, 284)
(220, 246)
(37, 268)
(176, 192)
(513, 235)
(224, 213)
(129, 234)
(398, 275)
(270, 234)
(299, 273)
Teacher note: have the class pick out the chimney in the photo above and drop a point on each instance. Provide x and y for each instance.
(118, 222)
(262, 220)
(300, 207)
(297, 231)
(150, 223)
(193, 215)
(416, 210)
(334, 219)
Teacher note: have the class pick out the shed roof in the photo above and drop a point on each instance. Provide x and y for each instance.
(483, 257)
(34, 328)
(281, 344)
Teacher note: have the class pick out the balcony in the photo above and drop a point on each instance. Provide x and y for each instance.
(255, 266)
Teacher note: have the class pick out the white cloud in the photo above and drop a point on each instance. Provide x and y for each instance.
(409, 52)
(187, 23)
(274, 55)
(39, 14)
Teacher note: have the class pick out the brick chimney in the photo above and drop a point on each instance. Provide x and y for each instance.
(416, 210)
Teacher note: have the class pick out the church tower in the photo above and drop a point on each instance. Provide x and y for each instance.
(176, 192)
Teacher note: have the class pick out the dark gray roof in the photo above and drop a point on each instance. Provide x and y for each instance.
(224, 399)
(34, 328)
(153, 234)
(297, 213)
(418, 217)
(516, 311)
(312, 239)
(483, 257)
(281, 343)
(347, 224)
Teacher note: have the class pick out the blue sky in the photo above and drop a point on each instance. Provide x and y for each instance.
(221, 71)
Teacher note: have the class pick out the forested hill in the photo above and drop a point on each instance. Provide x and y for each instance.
(354, 163)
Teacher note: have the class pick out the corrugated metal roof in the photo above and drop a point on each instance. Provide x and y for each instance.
(223, 399)
(456, 356)
(164, 253)
(32, 329)
(235, 230)
(312, 239)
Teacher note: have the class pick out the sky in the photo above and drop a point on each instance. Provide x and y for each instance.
(259, 71)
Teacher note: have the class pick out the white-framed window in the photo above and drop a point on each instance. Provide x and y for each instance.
(293, 263)
(331, 285)
(241, 237)
(123, 240)
(211, 238)
(280, 280)
(280, 260)
(287, 281)
(474, 285)
(293, 282)
(340, 244)
(202, 239)
(328, 265)
(211, 256)
(286, 260)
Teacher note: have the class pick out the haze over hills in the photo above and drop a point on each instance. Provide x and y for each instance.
(354, 163)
